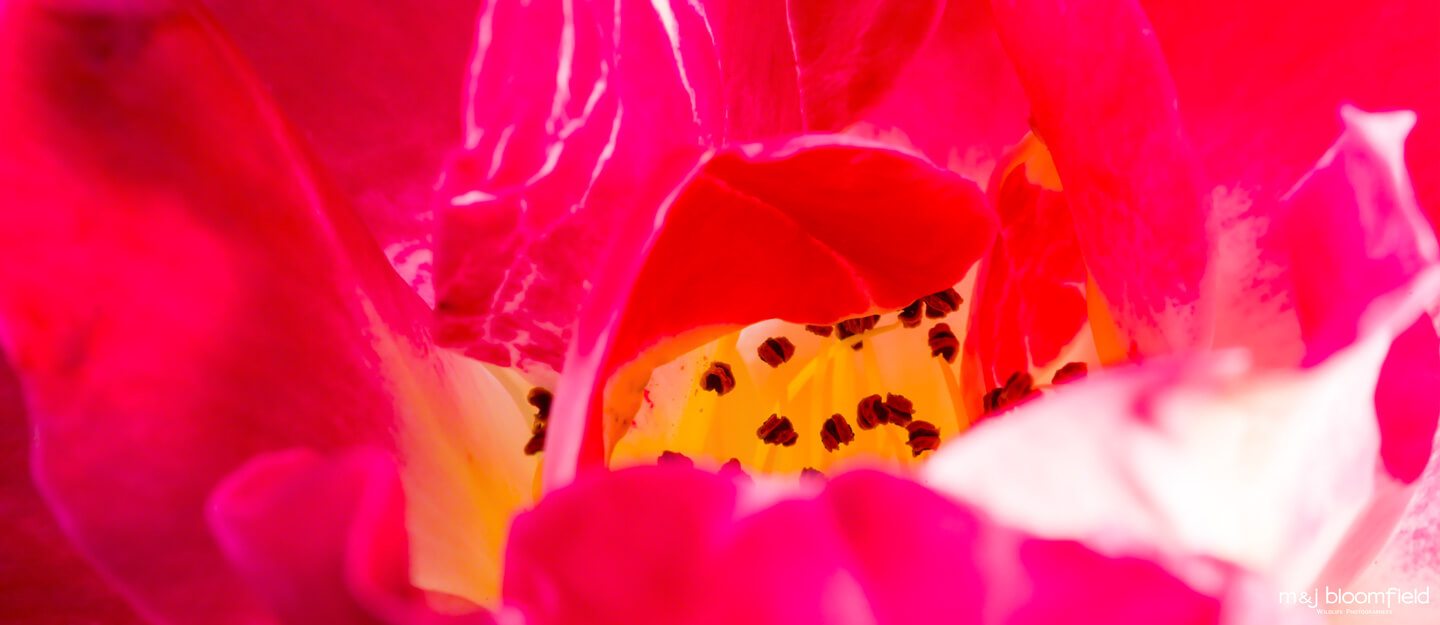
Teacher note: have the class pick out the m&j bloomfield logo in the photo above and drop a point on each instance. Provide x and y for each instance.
(1341, 601)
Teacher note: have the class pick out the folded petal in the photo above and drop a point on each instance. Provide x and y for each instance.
(868, 548)
(1103, 102)
(43, 579)
(743, 242)
(1260, 108)
(793, 66)
(323, 541)
(181, 291)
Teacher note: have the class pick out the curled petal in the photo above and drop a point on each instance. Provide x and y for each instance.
(742, 242)
(1103, 102)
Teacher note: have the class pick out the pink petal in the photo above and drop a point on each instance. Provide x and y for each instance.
(870, 548)
(1354, 230)
(959, 102)
(568, 129)
(43, 579)
(375, 87)
(1407, 400)
(793, 65)
(1030, 299)
(743, 242)
(628, 547)
(1259, 107)
(323, 541)
(180, 293)
(1103, 102)
(1410, 559)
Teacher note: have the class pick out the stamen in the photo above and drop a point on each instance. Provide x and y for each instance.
(937, 305)
(540, 399)
(1071, 371)
(900, 409)
(836, 432)
(733, 470)
(536, 444)
(671, 458)
(821, 331)
(1019, 386)
(811, 474)
(718, 378)
(872, 412)
(943, 342)
(910, 315)
(924, 436)
(776, 351)
(858, 325)
(777, 430)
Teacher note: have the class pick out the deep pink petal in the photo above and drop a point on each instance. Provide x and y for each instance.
(1354, 231)
(550, 164)
(179, 293)
(800, 65)
(375, 87)
(1103, 102)
(869, 548)
(628, 547)
(743, 242)
(1260, 107)
(323, 541)
(1030, 298)
(959, 102)
(1407, 400)
(43, 579)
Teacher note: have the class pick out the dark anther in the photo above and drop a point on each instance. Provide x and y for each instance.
(836, 432)
(924, 436)
(901, 409)
(943, 342)
(671, 458)
(776, 351)
(732, 469)
(938, 305)
(872, 412)
(819, 330)
(910, 315)
(811, 474)
(537, 440)
(1071, 371)
(540, 399)
(858, 325)
(777, 430)
(1019, 386)
(718, 378)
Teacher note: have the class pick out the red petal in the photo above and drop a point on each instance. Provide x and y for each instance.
(1103, 102)
(1260, 107)
(745, 241)
(551, 163)
(179, 294)
(376, 89)
(43, 578)
(323, 541)
(1030, 299)
(959, 102)
(795, 65)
